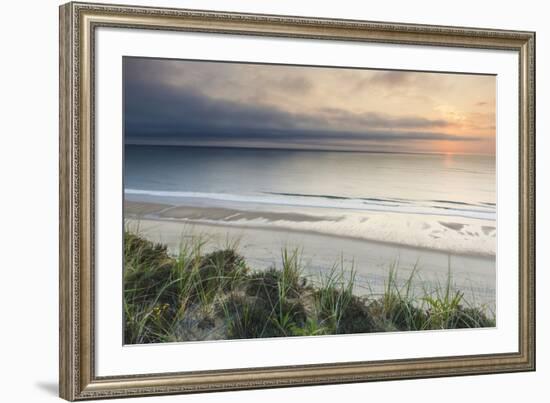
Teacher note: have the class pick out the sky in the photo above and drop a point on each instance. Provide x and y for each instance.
(196, 103)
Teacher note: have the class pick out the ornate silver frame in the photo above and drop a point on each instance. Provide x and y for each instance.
(78, 22)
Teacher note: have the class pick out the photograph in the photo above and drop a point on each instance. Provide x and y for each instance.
(278, 200)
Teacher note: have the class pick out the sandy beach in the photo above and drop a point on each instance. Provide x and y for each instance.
(474, 275)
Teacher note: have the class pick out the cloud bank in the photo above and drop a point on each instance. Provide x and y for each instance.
(186, 103)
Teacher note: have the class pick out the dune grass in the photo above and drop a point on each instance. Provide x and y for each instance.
(210, 296)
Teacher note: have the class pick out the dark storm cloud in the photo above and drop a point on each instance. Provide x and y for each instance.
(160, 113)
(156, 109)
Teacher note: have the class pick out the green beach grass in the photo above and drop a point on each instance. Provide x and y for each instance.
(194, 296)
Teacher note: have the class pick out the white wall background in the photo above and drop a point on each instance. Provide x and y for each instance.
(29, 208)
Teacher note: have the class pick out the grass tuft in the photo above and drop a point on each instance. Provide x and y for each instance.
(206, 296)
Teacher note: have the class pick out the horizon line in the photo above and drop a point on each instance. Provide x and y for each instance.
(307, 149)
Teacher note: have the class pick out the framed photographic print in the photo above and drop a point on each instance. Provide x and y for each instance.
(255, 201)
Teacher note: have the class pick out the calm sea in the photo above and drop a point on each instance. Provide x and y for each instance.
(449, 185)
(441, 202)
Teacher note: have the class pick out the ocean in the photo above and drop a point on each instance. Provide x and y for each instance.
(437, 201)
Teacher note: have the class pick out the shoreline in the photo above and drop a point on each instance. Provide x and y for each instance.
(237, 226)
(225, 217)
